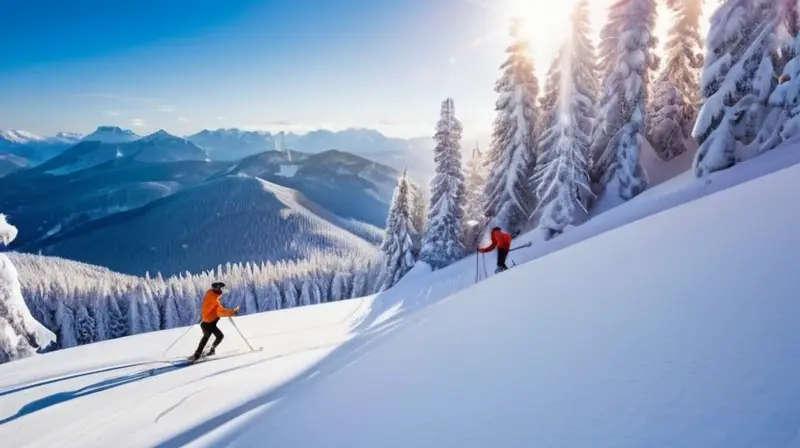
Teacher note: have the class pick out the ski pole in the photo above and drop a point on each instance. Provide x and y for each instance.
(179, 338)
(520, 247)
(477, 272)
(512, 261)
(240, 333)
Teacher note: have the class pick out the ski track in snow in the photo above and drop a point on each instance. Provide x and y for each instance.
(437, 362)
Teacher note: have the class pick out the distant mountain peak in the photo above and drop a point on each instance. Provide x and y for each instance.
(160, 135)
(111, 134)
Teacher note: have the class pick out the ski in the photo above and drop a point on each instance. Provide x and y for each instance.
(186, 362)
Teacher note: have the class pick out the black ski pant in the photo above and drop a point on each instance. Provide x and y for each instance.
(209, 328)
(502, 254)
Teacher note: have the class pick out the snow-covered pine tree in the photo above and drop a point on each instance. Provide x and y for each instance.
(783, 123)
(508, 198)
(20, 334)
(117, 322)
(562, 176)
(676, 95)
(626, 57)
(473, 203)
(736, 82)
(398, 244)
(65, 319)
(339, 286)
(419, 213)
(788, 32)
(84, 325)
(443, 241)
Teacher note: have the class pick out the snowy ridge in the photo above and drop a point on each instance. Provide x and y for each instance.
(639, 362)
(19, 137)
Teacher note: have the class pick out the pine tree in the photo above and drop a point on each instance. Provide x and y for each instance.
(562, 176)
(508, 199)
(626, 58)
(66, 326)
(84, 326)
(473, 202)
(117, 322)
(789, 30)
(419, 213)
(442, 243)
(676, 95)
(398, 245)
(737, 79)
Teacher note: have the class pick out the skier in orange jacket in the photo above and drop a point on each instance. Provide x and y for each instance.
(502, 241)
(211, 311)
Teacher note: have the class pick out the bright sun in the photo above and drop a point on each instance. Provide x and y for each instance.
(546, 23)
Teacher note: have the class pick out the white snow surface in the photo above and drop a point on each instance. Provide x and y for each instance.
(287, 170)
(695, 343)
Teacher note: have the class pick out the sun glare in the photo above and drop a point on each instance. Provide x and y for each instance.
(547, 22)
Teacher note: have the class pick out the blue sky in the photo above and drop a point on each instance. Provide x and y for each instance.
(296, 65)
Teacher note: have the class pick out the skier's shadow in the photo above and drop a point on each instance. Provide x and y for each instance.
(14, 390)
(61, 397)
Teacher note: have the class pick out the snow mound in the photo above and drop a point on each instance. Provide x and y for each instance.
(8, 233)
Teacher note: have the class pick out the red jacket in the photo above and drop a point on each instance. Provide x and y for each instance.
(500, 240)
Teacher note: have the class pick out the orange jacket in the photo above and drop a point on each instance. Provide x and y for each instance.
(500, 240)
(212, 308)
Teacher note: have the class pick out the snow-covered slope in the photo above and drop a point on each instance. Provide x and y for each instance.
(348, 185)
(232, 219)
(10, 163)
(45, 205)
(678, 329)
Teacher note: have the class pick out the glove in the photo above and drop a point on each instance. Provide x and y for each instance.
(236, 310)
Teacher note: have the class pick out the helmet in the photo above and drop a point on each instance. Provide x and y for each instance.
(784, 78)
(497, 229)
(217, 285)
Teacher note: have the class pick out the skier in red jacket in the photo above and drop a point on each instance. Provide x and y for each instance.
(502, 241)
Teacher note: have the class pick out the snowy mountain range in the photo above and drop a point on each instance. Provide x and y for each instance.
(232, 145)
(96, 191)
(33, 149)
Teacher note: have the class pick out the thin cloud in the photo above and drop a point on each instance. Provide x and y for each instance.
(220, 118)
(138, 122)
(166, 108)
(183, 119)
(452, 60)
(113, 113)
(117, 97)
